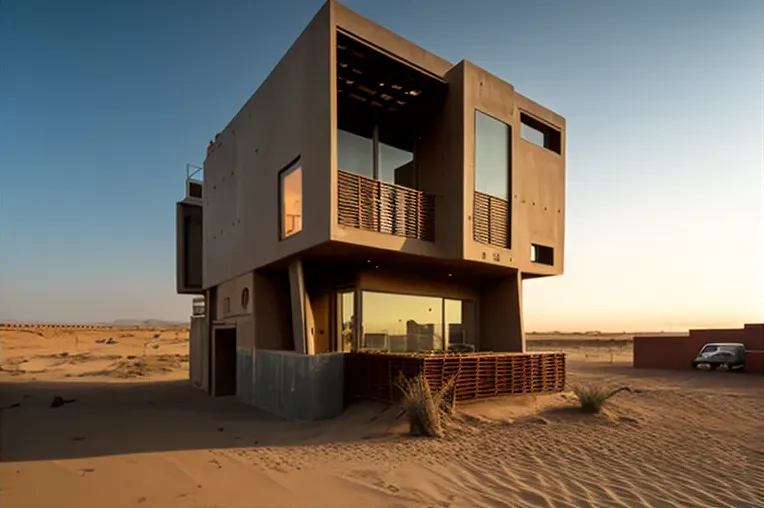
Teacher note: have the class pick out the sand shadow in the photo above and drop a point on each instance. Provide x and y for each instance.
(138, 417)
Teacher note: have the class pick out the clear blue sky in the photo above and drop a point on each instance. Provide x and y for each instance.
(103, 103)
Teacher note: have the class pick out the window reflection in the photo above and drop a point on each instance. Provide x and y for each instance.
(291, 201)
(531, 134)
(455, 333)
(355, 153)
(402, 323)
(491, 156)
(396, 165)
(346, 318)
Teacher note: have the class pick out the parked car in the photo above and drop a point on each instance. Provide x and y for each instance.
(730, 355)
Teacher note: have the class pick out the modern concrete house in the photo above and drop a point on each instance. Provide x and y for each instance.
(369, 196)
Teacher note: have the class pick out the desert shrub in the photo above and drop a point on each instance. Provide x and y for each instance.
(424, 409)
(593, 397)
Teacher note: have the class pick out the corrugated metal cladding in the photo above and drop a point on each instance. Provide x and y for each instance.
(293, 386)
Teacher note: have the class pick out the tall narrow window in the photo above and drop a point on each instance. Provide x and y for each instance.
(491, 156)
(291, 200)
(346, 320)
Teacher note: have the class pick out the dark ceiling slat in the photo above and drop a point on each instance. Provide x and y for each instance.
(343, 34)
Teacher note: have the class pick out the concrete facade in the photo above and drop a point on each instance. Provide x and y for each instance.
(433, 234)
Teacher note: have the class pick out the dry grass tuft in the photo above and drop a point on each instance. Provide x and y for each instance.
(424, 409)
(593, 397)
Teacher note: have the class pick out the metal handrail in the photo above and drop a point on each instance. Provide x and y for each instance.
(192, 171)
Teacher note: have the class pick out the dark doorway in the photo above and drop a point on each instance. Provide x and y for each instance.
(224, 362)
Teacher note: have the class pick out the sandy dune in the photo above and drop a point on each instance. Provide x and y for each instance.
(136, 434)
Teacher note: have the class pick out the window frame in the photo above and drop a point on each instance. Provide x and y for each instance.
(508, 169)
(282, 174)
(376, 157)
(552, 135)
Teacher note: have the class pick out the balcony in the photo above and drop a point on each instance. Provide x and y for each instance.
(373, 205)
(491, 220)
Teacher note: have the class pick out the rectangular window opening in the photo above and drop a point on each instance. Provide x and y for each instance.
(539, 133)
(400, 323)
(290, 183)
(492, 156)
(542, 254)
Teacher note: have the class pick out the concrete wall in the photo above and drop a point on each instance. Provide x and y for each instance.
(198, 353)
(677, 352)
(289, 116)
(537, 176)
(230, 298)
(500, 315)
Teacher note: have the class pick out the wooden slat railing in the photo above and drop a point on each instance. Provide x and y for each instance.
(372, 205)
(491, 220)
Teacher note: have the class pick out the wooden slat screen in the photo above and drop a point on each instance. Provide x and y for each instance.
(372, 205)
(491, 220)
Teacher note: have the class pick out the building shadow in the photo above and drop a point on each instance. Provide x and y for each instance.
(139, 417)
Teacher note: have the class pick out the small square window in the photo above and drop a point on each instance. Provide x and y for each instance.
(542, 254)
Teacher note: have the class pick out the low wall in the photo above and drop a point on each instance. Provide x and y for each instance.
(754, 361)
(291, 385)
(676, 352)
(478, 375)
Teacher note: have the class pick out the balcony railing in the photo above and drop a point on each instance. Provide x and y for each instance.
(372, 205)
(491, 220)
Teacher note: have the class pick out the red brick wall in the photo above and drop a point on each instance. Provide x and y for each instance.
(677, 352)
(754, 361)
(663, 352)
(751, 335)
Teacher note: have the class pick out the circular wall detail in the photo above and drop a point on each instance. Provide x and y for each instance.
(244, 298)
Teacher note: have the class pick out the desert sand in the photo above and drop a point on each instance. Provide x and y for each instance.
(133, 432)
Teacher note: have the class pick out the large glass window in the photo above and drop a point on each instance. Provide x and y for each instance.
(387, 163)
(400, 323)
(396, 165)
(491, 156)
(291, 200)
(355, 153)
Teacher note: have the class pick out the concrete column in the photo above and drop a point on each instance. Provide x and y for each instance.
(302, 317)
(501, 315)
